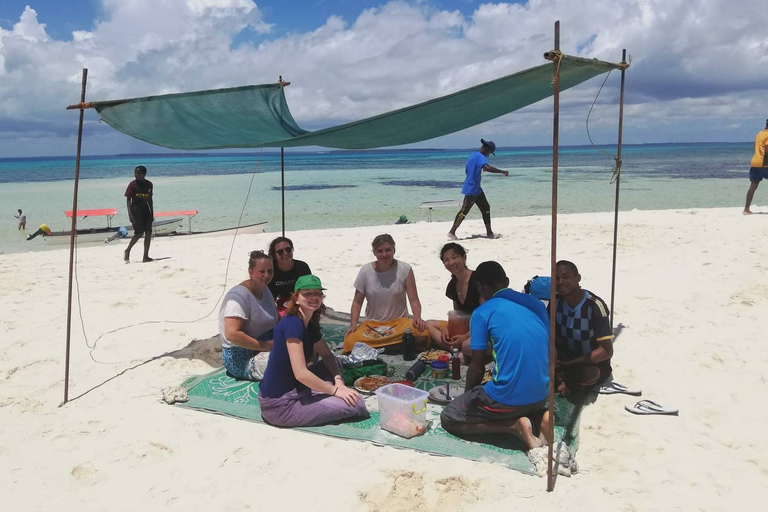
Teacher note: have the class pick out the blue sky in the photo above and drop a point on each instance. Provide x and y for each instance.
(62, 17)
(698, 69)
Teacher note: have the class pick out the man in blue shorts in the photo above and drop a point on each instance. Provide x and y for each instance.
(514, 401)
(473, 194)
(759, 166)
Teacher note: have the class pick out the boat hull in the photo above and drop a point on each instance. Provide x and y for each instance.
(98, 236)
(250, 229)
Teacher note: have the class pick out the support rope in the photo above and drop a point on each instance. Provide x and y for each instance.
(224, 289)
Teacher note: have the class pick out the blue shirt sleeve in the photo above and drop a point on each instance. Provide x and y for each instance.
(294, 328)
(478, 331)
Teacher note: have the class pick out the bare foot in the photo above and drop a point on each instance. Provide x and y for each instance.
(746, 212)
(147, 260)
(523, 430)
(493, 236)
(451, 236)
(126, 256)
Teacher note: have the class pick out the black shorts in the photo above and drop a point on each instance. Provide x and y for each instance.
(479, 200)
(475, 406)
(142, 222)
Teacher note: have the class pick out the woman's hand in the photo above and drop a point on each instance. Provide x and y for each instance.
(350, 330)
(444, 336)
(458, 340)
(350, 396)
(418, 323)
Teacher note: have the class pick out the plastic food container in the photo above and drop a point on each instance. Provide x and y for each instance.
(402, 409)
(439, 370)
(458, 323)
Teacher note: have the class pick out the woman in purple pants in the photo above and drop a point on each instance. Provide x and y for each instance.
(293, 393)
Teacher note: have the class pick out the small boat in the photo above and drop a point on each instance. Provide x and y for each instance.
(93, 235)
(249, 229)
(161, 228)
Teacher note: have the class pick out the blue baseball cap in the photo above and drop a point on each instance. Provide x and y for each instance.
(489, 144)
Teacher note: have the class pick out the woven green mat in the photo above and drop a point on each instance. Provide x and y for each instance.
(217, 393)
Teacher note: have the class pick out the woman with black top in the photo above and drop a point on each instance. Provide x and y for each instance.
(462, 290)
(287, 271)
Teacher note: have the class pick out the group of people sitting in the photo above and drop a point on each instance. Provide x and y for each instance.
(270, 332)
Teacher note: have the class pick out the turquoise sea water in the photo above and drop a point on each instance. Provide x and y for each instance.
(351, 188)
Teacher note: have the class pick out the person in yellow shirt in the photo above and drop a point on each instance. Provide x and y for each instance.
(759, 166)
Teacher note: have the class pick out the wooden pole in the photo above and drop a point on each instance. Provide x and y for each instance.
(282, 183)
(618, 179)
(72, 238)
(553, 258)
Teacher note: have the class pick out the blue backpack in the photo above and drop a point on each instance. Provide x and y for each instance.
(539, 287)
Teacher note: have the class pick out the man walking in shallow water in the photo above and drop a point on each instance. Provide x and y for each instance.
(138, 199)
(473, 194)
(759, 166)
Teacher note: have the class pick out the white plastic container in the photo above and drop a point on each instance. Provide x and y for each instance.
(402, 409)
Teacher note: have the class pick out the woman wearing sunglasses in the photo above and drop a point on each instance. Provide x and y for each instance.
(287, 271)
(294, 393)
(246, 319)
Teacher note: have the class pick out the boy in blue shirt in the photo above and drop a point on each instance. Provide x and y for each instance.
(514, 401)
(473, 194)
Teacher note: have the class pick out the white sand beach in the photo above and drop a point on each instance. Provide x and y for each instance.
(690, 290)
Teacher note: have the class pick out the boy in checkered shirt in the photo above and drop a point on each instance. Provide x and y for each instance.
(583, 334)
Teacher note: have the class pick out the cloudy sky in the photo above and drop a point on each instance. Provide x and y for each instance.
(698, 67)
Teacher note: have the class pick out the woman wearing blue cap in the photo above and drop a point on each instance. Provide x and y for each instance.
(294, 393)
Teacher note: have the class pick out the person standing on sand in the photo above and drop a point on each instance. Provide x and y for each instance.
(473, 194)
(22, 220)
(138, 199)
(758, 167)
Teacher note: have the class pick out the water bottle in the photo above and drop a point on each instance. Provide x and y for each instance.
(455, 365)
(409, 346)
(415, 371)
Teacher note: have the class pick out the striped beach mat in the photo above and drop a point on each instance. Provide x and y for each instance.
(218, 393)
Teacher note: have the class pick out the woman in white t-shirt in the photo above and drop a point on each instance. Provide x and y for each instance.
(388, 286)
(246, 319)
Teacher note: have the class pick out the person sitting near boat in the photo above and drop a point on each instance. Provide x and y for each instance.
(462, 290)
(287, 271)
(293, 392)
(246, 319)
(388, 285)
(514, 401)
(42, 230)
(583, 336)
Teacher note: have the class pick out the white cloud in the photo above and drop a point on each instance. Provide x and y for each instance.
(698, 68)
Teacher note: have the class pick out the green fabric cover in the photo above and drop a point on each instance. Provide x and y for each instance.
(377, 367)
(220, 394)
(258, 116)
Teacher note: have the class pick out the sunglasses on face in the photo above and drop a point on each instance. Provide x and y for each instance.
(287, 250)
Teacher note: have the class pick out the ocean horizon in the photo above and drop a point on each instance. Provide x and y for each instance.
(339, 188)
